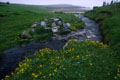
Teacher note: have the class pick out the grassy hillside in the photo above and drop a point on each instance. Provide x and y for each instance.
(109, 19)
(87, 60)
(57, 6)
(15, 18)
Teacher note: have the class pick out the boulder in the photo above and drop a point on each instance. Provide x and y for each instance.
(60, 23)
(26, 35)
(68, 24)
(54, 24)
(34, 25)
(64, 25)
(55, 29)
(43, 23)
(56, 19)
(65, 30)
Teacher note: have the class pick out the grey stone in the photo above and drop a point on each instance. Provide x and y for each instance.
(60, 23)
(64, 25)
(34, 25)
(56, 19)
(54, 24)
(68, 24)
(43, 23)
(65, 30)
(26, 34)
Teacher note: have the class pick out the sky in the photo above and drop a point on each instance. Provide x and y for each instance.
(85, 3)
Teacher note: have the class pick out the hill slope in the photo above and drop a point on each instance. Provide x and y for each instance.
(62, 6)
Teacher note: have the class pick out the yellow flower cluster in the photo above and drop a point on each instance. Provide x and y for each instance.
(35, 75)
(54, 62)
(97, 43)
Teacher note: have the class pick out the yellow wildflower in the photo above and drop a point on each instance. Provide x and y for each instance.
(118, 74)
(55, 70)
(50, 74)
(52, 62)
(6, 76)
(78, 56)
(91, 64)
(12, 73)
(34, 75)
(41, 66)
(115, 77)
(40, 73)
(42, 54)
(72, 57)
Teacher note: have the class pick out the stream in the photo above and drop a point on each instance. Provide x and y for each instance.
(14, 55)
(91, 31)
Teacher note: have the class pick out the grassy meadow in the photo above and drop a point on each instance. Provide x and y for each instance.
(16, 18)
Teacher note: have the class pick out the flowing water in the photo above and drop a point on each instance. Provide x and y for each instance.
(91, 31)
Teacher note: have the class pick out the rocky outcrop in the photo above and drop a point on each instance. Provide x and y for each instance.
(55, 25)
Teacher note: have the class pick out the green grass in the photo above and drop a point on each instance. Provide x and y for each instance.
(109, 19)
(87, 60)
(18, 18)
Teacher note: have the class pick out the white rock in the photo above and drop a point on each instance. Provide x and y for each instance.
(56, 19)
(43, 23)
(88, 37)
(54, 29)
(68, 24)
